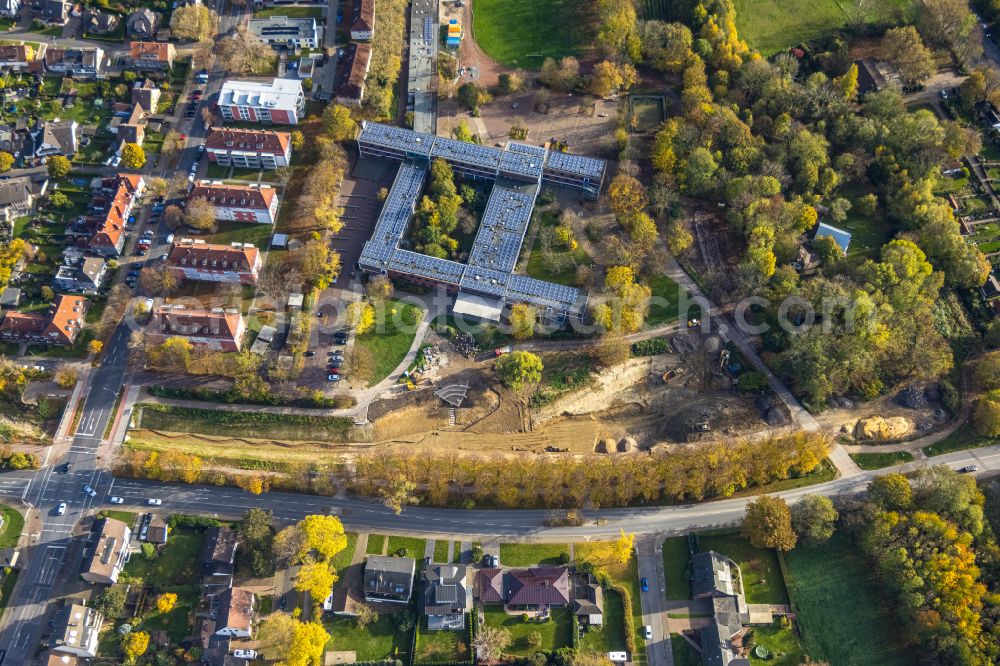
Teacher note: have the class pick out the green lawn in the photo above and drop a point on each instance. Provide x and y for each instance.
(675, 561)
(126, 517)
(755, 565)
(964, 438)
(342, 560)
(176, 622)
(379, 640)
(611, 636)
(242, 232)
(555, 633)
(414, 547)
(244, 424)
(9, 581)
(782, 643)
(376, 544)
(880, 460)
(441, 551)
(13, 525)
(176, 563)
(868, 232)
(773, 25)
(664, 301)
(440, 646)
(843, 617)
(389, 342)
(527, 554)
(523, 33)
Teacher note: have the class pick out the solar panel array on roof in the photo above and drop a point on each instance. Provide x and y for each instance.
(428, 29)
(501, 231)
(523, 159)
(432, 268)
(575, 164)
(396, 214)
(485, 281)
(464, 152)
(396, 138)
(544, 294)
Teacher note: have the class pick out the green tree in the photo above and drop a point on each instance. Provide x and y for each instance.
(768, 524)
(814, 519)
(522, 321)
(110, 603)
(904, 48)
(891, 492)
(518, 368)
(988, 371)
(986, 415)
(509, 83)
(59, 200)
(59, 166)
(468, 96)
(338, 123)
(133, 156)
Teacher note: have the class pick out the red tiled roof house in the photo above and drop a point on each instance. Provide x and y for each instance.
(60, 325)
(240, 203)
(218, 329)
(204, 262)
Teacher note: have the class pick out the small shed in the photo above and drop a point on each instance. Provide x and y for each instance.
(840, 237)
(10, 297)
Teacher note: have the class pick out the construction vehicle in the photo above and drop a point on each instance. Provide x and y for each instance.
(500, 351)
(673, 374)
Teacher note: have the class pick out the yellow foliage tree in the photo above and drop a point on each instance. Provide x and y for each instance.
(134, 645)
(361, 315)
(308, 641)
(624, 546)
(166, 602)
(317, 579)
(324, 534)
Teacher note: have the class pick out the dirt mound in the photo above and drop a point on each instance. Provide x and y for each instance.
(627, 445)
(912, 397)
(876, 428)
(605, 445)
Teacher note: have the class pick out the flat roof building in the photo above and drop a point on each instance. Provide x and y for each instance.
(290, 32)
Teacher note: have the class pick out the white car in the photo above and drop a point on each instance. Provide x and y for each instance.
(115, 162)
(90, 491)
(62, 508)
(169, 239)
(117, 500)
(647, 632)
(245, 654)
(154, 502)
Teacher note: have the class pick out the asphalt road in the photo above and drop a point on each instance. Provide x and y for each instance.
(51, 552)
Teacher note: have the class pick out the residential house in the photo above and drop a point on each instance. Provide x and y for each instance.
(10, 8)
(249, 149)
(84, 63)
(350, 88)
(952, 169)
(10, 139)
(278, 101)
(588, 603)
(217, 329)
(288, 32)
(869, 77)
(100, 22)
(157, 531)
(538, 587)
(75, 630)
(108, 237)
(990, 288)
(218, 552)
(108, 553)
(389, 579)
(14, 56)
(52, 12)
(143, 23)
(840, 237)
(240, 203)
(236, 613)
(151, 56)
(16, 198)
(54, 137)
(239, 263)
(57, 659)
(721, 640)
(363, 20)
(714, 575)
(10, 297)
(59, 325)
(446, 597)
(131, 128)
(146, 94)
(83, 277)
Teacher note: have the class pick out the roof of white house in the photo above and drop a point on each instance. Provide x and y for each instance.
(277, 93)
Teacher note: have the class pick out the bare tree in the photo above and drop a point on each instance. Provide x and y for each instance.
(243, 53)
(200, 214)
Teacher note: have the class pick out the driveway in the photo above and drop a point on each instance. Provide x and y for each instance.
(654, 613)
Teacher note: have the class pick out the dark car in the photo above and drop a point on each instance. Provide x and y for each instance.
(310, 353)
(335, 365)
(644, 584)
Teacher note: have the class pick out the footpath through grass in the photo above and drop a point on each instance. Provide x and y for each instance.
(843, 617)
(522, 33)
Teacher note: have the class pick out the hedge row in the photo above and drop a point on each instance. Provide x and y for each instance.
(627, 620)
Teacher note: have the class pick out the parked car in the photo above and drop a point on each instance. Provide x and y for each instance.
(245, 654)
(169, 239)
(647, 632)
(333, 378)
(152, 501)
(117, 500)
(67, 467)
(644, 584)
(969, 468)
(62, 509)
(310, 353)
(90, 491)
(335, 364)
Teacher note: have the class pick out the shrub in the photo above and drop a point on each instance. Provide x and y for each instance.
(651, 347)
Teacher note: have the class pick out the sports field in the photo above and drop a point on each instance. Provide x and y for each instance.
(770, 26)
(522, 33)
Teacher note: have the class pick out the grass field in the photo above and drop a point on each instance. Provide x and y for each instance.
(537, 266)
(13, 525)
(675, 560)
(391, 338)
(842, 615)
(342, 560)
(244, 424)
(241, 232)
(441, 551)
(522, 33)
(964, 438)
(379, 640)
(880, 460)
(291, 12)
(665, 297)
(526, 554)
(773, 25)
(755, 564)
(783, 644)
(868, 232)
(555, 634)
(684, 653)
